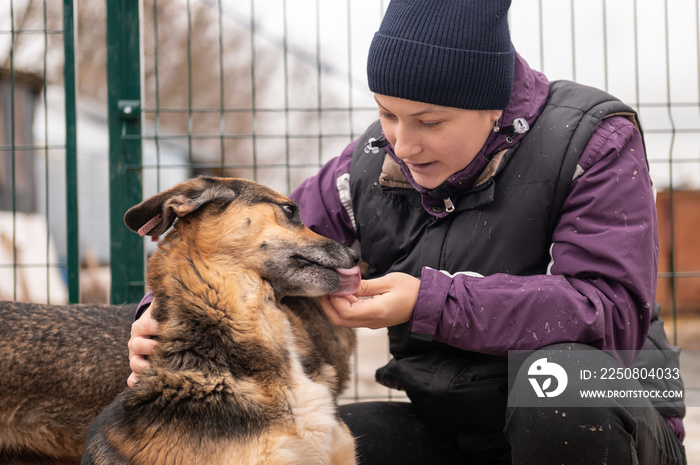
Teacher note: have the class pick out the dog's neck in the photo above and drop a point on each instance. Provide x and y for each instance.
(177, 271)
(208, 310)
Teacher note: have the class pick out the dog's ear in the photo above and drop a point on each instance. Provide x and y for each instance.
(155, 215)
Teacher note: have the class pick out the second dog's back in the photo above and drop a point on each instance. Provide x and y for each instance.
(61, 366)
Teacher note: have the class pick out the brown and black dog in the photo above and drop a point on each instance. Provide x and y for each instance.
(248, 368)
(61, 365)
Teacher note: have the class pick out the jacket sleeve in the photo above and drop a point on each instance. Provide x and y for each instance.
(600, 285)
(324, 199)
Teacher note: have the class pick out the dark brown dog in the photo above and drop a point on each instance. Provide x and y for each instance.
(239, 376)
(61, 365)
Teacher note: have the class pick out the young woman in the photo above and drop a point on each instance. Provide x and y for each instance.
(496, 211)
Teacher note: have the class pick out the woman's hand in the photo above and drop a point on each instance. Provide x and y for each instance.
(391, 301)
(142, 344)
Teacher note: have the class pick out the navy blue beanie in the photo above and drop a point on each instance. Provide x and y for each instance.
(454, 53)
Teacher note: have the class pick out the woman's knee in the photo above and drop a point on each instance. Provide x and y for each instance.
(582, 434)
(546, 419)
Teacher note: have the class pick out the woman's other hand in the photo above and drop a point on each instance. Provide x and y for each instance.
(378, 303)
(142, 344)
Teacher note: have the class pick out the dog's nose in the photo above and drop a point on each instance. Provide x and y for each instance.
(355, 256)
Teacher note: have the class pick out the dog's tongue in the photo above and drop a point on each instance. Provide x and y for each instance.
(349, 280)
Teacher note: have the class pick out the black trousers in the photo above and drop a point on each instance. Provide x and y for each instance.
(608, 431)
(391, 433)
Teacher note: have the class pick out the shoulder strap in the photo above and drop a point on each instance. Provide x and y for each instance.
(592, 106)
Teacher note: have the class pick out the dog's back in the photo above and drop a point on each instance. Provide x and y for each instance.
(61, 365)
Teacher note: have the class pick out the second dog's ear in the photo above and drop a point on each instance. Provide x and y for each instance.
(155, 215)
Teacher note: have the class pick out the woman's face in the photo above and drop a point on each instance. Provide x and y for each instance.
(434, 141)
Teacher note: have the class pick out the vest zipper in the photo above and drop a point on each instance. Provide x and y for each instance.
(449, 206)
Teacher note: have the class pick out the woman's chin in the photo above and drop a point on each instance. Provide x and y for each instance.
(427, 181)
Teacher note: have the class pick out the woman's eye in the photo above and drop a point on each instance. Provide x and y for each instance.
(429, 124)
(290, 211)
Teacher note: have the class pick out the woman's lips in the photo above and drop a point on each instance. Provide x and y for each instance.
(420, 167)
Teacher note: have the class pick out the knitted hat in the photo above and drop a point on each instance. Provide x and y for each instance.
(454, 53)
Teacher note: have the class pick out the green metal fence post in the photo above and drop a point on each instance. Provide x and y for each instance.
(125, 184)
(69, 72)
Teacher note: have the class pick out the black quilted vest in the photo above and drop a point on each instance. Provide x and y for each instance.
(502, 226)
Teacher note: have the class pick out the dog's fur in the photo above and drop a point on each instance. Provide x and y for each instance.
(60, 366)
(238, 377)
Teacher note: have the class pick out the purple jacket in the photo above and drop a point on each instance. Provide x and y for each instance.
(608, 229)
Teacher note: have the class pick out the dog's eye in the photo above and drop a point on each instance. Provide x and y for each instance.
(290, 211)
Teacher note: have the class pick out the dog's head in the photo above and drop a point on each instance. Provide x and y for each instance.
(232, 222)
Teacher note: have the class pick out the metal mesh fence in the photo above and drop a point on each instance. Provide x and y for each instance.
(37, 263)
(264, 90)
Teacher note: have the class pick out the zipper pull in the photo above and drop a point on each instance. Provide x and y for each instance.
(449, 206)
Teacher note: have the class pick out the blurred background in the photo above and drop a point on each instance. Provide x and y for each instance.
(105, 102)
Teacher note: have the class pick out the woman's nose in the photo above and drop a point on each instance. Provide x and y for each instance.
(405, 143)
